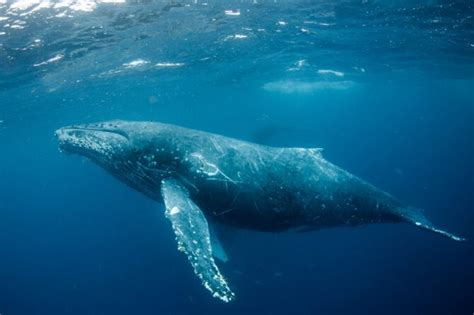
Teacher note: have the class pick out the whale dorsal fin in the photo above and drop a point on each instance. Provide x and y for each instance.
(314, 152)
(193, 237)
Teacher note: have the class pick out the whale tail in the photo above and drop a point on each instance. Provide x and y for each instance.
(416, 217)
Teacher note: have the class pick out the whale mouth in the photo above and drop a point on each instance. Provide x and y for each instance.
(91, 140)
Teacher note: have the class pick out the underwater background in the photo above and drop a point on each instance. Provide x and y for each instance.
(385, 87)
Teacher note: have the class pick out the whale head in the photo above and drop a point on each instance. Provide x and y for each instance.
(136, 152)
(101, 142)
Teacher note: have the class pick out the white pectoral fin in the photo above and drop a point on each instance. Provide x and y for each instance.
(193, 237)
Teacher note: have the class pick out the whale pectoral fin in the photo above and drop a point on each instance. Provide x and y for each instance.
(217, 248)
(193, 237)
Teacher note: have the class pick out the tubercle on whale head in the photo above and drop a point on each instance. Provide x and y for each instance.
(99, 142)
(115, 143)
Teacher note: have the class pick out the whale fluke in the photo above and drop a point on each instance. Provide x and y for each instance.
(415, 216)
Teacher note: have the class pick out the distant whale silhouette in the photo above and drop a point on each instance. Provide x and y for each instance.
(206, 179)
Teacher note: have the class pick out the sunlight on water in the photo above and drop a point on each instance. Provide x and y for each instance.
(75, 5)
(290, 86)
(295, 43)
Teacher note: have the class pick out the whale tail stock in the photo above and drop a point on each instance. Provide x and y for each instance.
(416, 217)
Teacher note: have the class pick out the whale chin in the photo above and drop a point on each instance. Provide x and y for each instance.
(96, 142)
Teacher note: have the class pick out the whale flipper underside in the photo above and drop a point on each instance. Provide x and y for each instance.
(192, 234)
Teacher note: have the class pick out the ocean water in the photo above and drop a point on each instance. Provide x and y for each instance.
(385, 87)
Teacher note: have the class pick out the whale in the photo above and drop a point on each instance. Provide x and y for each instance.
(208, 182)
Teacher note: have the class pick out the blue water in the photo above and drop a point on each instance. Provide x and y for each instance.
(386, 88)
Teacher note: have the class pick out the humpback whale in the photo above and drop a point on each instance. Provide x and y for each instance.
(206, 179)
